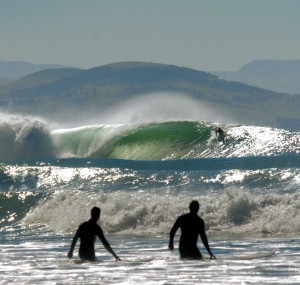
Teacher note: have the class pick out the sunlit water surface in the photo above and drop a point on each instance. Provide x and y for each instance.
(40, 258)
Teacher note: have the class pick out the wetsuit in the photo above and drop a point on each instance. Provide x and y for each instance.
(191, 226)
(87, 233)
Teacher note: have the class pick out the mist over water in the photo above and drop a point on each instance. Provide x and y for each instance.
(161, 107)
(152, 107)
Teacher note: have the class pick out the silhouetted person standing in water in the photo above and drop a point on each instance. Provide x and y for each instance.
(87, 233)
(191, 226)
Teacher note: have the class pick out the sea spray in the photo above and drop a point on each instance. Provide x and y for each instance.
(24, 138)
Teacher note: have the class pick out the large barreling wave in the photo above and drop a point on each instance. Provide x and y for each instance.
(172, 140)
(29, 138)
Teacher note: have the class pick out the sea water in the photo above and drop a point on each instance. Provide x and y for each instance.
(143, 176)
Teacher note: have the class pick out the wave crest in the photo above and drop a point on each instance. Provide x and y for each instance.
(24, 138)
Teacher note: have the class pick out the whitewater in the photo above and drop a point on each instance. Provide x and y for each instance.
(143, 176)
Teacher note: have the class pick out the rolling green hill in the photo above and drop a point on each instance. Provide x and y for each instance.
(60, 93)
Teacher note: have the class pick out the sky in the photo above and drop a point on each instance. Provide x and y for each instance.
(208, 35)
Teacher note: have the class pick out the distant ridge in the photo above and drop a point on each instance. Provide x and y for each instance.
(277, 75)
(11, 70)
(72, 94)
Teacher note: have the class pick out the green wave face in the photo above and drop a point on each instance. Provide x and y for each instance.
(172, 140)
(153, 141)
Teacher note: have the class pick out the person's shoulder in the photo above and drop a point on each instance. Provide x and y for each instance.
(200, 220)
(97, 227)
(181, 218)
(82, 227)
(84, 224)
(195, 217)
(185, 217)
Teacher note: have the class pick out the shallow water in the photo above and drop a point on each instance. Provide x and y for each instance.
(41, 258)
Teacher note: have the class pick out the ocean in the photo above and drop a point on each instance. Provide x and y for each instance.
(143, 176)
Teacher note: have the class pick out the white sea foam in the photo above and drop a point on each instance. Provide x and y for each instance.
(234, 211)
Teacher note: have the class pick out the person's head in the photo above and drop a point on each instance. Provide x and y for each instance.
(194, 207)
(95, 213)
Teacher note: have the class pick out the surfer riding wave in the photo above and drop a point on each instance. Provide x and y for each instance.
(220, 135)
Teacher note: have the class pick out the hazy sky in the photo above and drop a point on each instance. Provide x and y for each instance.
(210, 35)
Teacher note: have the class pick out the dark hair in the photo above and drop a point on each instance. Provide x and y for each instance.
(95, 212)
(194, 206)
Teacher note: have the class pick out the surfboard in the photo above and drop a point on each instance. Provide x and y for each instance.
(79, 261)
(256, 255)
(140, 259)
(130, 260)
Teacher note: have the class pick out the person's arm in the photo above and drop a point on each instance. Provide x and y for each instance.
(172, 234)
(107, 245)
(205, 242)
(76, 236)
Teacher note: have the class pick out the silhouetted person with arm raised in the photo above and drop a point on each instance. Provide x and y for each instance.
(191, 226)
(87, 232)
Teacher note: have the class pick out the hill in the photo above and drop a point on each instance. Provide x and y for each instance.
(12, 70)
(277, 75)
(58, 94)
